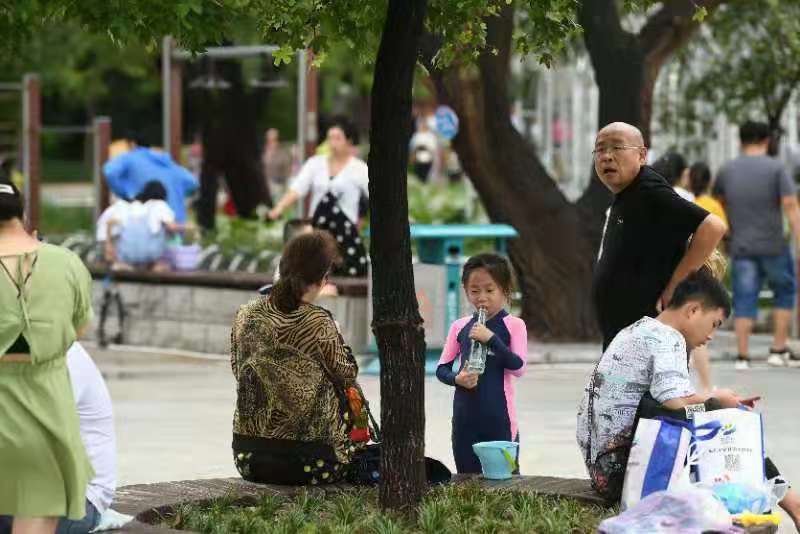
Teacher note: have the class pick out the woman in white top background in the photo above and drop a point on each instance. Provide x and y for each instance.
(337, 182)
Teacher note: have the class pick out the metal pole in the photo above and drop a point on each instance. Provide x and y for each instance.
(227, 52)
(301, 104)
(302, 135)
(176, 112)
(31, 148)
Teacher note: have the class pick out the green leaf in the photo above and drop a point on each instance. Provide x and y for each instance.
(700, 14)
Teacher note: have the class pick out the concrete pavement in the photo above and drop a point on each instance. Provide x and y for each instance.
(174, 414)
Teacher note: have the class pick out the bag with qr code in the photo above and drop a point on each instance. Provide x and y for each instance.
(736, 454)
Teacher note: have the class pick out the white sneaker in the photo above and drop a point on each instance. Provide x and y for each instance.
(742, 364)
(787, 356)
(775, 360)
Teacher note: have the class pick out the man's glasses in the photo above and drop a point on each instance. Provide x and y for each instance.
(612, 150)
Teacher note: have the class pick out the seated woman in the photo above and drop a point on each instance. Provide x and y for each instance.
(292, 422)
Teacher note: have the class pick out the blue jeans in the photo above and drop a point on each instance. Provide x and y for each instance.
(81, 526)
(749, 274)
(65, 526)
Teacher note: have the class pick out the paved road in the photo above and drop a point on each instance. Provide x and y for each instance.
(173, 415)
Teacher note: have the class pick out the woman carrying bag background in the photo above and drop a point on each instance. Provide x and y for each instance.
(337, 183)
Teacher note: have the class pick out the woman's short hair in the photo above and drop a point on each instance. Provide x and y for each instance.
(11, 206)
(306, 259)
(346, 126)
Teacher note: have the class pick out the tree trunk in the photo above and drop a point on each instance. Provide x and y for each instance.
(555, 252)
(397, 323)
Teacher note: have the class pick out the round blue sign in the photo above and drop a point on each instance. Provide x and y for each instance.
(446, 122)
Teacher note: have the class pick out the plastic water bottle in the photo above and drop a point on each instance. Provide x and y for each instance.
(477, 354)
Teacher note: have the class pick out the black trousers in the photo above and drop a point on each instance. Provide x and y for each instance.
(288, 462)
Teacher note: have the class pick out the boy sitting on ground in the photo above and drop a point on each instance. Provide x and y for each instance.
(644, 372)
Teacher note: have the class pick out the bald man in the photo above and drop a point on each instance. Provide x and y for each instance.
(644, 252)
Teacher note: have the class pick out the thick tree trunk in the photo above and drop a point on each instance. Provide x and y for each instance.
(231, 144)
(558, 241)
(397, 323)
(554, 253)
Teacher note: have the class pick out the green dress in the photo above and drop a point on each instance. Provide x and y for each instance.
(44, 469)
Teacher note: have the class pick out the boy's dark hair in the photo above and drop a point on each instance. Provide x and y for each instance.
(293, 227)
(306, 260)
(702, 287)
(152, 190)
(753, 132)
(671, 166)
(346, 126)
(699, 178)
(11, 206)
(497, 267)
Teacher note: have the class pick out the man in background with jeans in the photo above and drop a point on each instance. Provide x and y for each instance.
(756, 191)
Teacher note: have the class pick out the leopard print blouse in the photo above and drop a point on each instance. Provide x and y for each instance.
(279, 361)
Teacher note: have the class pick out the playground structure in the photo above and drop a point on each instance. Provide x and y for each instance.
(172, 90)
(29, 147)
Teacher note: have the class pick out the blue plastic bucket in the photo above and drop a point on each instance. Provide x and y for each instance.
(498, 458)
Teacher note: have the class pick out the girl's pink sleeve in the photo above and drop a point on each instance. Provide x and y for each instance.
(451, 348)
(519, 342)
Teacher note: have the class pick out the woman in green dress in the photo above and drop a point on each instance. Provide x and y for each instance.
(45, 302)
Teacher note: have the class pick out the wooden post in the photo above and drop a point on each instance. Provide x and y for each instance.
(31, 148)
(171, 100)
(102, 139)
(176, 112)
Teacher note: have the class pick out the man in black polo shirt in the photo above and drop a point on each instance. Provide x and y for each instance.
(644, 252)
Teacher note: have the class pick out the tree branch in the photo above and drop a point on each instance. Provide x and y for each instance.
(429, 46)
(670, 28)
(602, 27)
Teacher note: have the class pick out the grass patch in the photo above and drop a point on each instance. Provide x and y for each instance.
(463, 508)
(63, 220)
(59, 170)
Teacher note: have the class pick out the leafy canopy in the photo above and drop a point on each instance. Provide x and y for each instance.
(755, 79)
(544, 25)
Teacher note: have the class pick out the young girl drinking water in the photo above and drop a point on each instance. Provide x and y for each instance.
(483, 405)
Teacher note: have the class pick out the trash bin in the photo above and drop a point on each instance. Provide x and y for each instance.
(437, 279)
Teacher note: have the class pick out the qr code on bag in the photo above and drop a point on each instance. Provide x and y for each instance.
(733, 462)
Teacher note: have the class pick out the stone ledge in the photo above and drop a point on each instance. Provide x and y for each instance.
(348, 287)
(148, 502)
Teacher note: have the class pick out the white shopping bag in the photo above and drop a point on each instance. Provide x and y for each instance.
(736, 454)
(657, 460)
